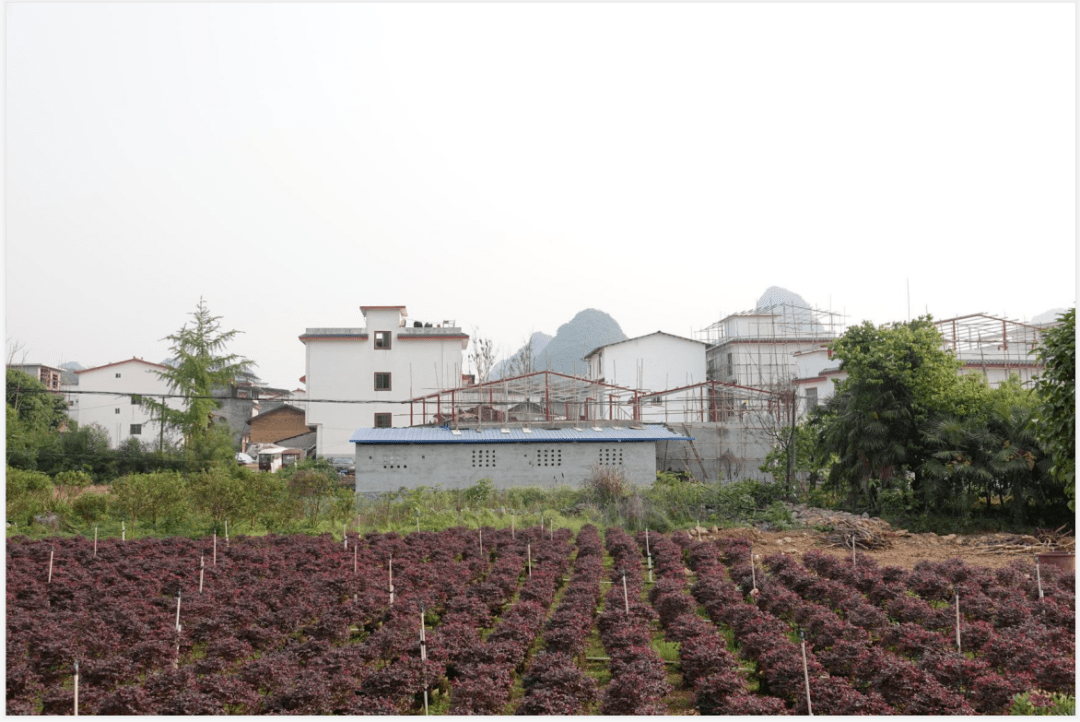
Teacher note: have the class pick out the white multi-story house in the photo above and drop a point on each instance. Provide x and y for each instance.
(364, 377)
(654, 363)
(109, 396)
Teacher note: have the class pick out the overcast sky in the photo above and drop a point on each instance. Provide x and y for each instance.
(508, 165)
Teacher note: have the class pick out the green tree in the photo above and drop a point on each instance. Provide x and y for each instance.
(1057, 388)
(222, 494)
(201, 363)
(312, 485)
(33, 420)
(160, 496)
(899, 379)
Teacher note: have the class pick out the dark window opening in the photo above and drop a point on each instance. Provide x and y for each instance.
(382, 339)
(382, 381)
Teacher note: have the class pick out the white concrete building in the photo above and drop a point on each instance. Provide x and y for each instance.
(388, 459)
(108, 396)
(654, 362)
(364, 377)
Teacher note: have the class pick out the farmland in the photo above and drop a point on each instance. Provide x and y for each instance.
(528, 620)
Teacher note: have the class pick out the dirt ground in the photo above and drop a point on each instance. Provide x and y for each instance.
(904, 550)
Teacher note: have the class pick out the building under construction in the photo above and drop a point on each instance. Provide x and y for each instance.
(994, 347)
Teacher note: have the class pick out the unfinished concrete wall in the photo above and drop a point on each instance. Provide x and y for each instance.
(720, 451)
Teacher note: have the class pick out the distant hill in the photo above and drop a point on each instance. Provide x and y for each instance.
(565, 352)
(68, 377)
(538, 341)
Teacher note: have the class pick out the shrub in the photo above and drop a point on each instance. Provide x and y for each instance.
(1037, 702)
(606, 484)
(91, 507)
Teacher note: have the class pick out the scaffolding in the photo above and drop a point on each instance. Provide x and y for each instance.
(547, 397)
(758, 348)
(997, 347)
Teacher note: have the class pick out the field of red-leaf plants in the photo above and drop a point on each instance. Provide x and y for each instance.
(528, 621)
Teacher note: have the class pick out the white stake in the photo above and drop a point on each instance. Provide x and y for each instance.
(648, 552)
(1038, 577)
(957, 592)
(481, 541)
(528, 550)
(215, 549)
(806, 674)
(853, 550)
(178, 611)
(753, 573)
(226, 532)
(650, 569)
(625, 596)
(355, 548)
(345, 536)
(95, 542)
(391, 578)
(51, 552)
(202, 569)
(76, 689)
(423, 654)
(123, 532)
(417, 521)
(512, 534)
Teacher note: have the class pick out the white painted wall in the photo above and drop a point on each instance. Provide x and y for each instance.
(341, 366)
(113, 410)
(656, 362)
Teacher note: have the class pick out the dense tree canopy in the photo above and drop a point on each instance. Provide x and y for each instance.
(1057, 388)
(907, 424)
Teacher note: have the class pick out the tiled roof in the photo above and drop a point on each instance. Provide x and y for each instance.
(443, 435)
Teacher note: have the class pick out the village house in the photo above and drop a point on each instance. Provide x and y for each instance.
(456, 458)
(109, 396)
(365, 377)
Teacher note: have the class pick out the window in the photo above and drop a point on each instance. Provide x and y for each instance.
(117, 411)
(382, 381)
(136, 429)
(811, 398)
(483, 458)
(382, 421)
(382, 339)
(610, 457)
(118, 374)
(549, 457)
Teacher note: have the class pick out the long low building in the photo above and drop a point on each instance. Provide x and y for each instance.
(389, 459)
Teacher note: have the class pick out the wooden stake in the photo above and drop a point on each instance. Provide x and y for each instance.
(423, 654)
(95, 542)
(76, 689)
(625, 596)
(355, 548)
(481, 541)
(226, 532)
(51, 552)
(202, 569)
(957, 593)
(528, 550)
(391, 578)
(806, 673)
(215, 549)
(753, 572)
(1038, 577)
(648, 553)
(177, 611)
(123, 532)
(650, 569)
(345, 536)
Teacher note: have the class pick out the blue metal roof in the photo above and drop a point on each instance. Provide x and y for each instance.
(443, 435)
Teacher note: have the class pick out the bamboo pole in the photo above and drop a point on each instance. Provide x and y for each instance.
(215, 549)
(95, 542)
(806, 673)
(391, 578)
(625, 596)
(1038, 577)
(123, 531)
(76, 689)
(957, 593)
(528, 550)
(51, 552)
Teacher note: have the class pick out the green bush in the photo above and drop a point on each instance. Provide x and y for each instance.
(745, 499)
(29, 493)
(161, 496)
(91, 507)
(1038, 702)
(605, 484)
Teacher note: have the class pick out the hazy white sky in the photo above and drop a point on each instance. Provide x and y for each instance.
(508, 165)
